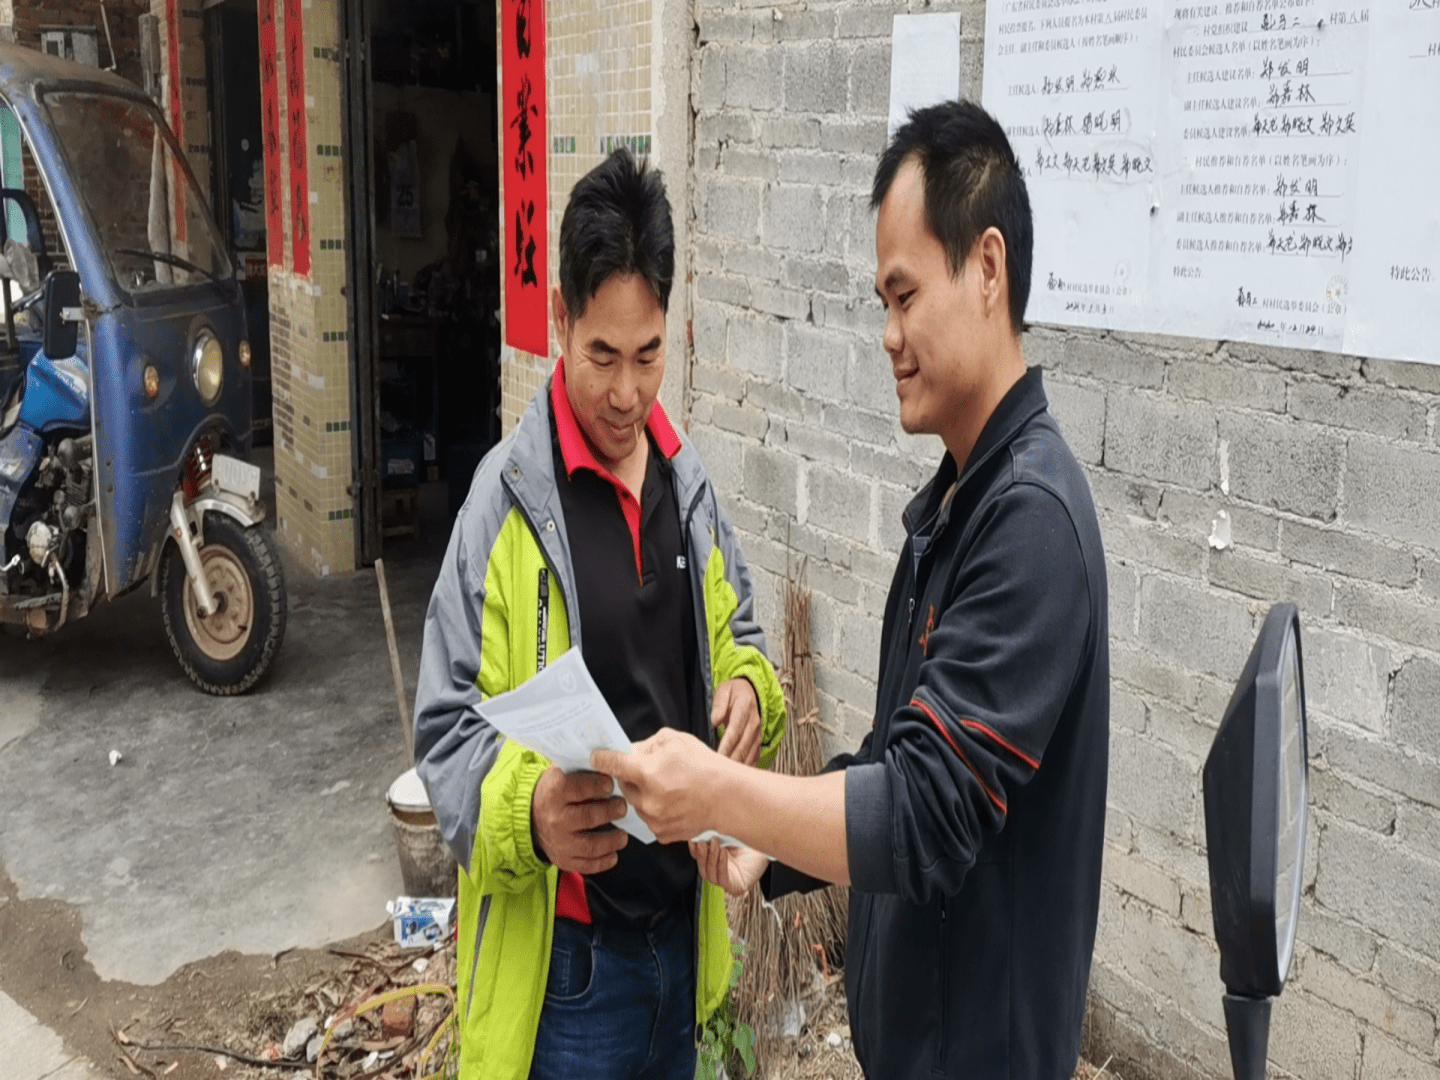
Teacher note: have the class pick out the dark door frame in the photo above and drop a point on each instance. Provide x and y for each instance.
(363, 325)
(215, 74)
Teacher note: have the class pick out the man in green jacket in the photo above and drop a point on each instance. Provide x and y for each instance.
(591, 525)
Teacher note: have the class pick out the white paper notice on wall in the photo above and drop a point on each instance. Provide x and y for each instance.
(1238, 171)
(924, 63)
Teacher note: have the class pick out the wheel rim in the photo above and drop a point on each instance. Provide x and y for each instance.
(223, 635)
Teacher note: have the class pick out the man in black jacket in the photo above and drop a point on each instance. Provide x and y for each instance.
(970, 822)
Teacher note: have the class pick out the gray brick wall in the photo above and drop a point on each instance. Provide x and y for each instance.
(1327, 466)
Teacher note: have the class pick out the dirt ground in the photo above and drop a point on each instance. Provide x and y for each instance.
(221, 1018)
(811, 1055)
(212, 1015)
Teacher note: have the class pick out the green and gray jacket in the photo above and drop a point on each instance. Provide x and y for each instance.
(482, 638)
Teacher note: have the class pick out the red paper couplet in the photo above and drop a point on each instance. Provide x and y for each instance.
(526, 236)
(270, 132)
(177, 116)
(299, 139)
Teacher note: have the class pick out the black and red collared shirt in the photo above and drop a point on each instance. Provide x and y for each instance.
(638, 638)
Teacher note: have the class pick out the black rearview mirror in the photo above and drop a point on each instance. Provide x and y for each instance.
(62, 314)
(1256, 792)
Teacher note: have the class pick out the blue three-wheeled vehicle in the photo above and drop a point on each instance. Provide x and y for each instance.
(125, 397)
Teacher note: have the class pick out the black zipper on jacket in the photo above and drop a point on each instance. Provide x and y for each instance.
(944, 991)
(575, 630)
(702, 618)
(542, 621)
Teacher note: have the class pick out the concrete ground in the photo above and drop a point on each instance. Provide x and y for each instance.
(33, 1051)
(255, 824)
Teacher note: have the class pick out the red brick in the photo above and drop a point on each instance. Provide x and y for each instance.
(397, 1018)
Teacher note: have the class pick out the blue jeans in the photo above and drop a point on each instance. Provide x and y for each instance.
(619, 1004)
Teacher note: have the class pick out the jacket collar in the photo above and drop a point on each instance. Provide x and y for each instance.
(529, 473)
(1021, 403)
(573, 447)
(686, 470)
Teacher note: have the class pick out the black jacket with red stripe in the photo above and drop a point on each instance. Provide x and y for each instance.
(975, 809)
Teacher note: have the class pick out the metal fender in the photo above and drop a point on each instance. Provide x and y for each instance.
(243, 510)
(221, 499)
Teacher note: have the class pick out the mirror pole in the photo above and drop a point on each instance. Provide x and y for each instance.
(12, 344)
(1247, 1022)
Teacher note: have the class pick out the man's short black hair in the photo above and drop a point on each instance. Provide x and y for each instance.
(972, 181)
(617, 222)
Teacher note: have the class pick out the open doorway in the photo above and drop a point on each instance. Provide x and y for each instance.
(232, 39)
(428, 362)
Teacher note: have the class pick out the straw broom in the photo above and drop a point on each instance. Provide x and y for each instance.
(790, 942)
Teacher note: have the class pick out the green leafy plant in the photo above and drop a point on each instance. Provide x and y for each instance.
(724, 1038)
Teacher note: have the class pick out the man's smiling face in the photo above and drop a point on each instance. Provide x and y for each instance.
(614, 363)
(936, 332)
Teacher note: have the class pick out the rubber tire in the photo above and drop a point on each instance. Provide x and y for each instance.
(255, 551)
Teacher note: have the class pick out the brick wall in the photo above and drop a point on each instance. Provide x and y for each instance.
(22, 20)
(598, 86)
(1321, 463)
(1327, 467)
(614, 72)
(44, 208)
(310, 353)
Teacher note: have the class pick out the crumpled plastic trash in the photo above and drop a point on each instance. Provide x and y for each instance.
(793, 1020)
(421, 922)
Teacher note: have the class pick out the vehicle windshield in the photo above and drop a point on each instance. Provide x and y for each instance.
(152, 220)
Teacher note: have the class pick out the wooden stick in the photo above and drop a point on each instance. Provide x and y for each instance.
(395, 662)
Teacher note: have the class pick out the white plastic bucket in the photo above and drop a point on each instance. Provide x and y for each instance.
(426, 865)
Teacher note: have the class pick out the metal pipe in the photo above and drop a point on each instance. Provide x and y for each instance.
(56, 570)
(109, 41)
(180, 529)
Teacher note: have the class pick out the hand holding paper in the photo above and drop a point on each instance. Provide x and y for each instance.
(733, 868)
(561, 715)
(666, 779)
(566, 812)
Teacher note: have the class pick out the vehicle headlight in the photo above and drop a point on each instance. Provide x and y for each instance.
(207, 367)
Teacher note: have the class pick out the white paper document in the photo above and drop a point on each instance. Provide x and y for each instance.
(1253, 170)
(561, 715)
(725, 841)
(924, 63)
